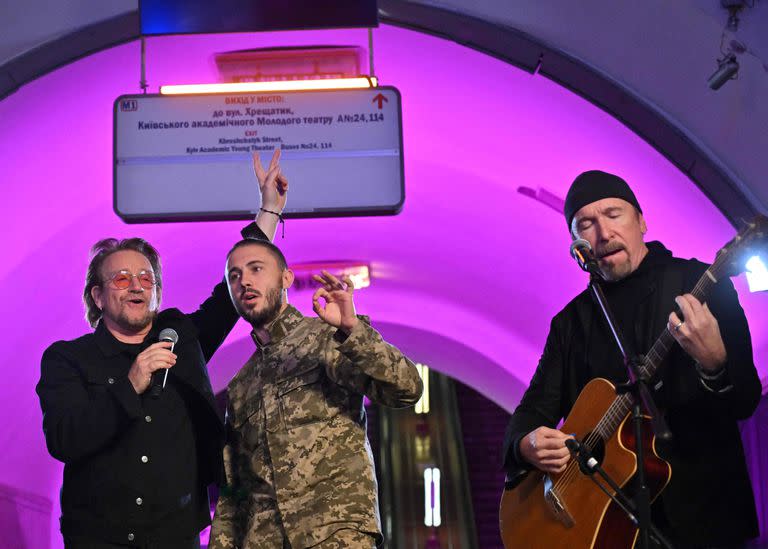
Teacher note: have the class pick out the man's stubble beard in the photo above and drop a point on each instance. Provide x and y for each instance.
(617, 272)
(135, 325)
(614, 272)
(266, 314)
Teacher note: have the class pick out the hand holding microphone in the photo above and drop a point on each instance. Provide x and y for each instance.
(152, 364)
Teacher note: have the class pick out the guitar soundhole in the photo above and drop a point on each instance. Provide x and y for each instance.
(596, 448)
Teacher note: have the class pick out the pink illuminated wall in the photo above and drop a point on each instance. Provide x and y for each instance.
(466, 278)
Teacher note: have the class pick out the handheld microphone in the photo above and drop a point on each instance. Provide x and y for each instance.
(168, 335)
(581, 251)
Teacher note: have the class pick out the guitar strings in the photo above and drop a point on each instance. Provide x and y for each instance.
(614, 416)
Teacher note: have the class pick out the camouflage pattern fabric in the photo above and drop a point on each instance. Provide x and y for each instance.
(347, 539)
(298, 463)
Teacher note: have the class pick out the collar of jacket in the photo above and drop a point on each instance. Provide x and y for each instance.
(109, 345)
(657, 254)
(280, 327)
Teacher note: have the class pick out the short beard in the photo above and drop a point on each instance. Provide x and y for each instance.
(614, 273)
(137, 325)
(617, 272)
(268, 313)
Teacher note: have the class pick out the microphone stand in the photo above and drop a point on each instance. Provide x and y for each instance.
(588, 465)
(638, 389)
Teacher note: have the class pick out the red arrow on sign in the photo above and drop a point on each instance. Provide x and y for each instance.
(380, 99)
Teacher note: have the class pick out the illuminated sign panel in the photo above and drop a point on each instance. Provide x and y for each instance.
(188, 157)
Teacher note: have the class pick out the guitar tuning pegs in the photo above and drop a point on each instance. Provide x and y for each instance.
(748, 223)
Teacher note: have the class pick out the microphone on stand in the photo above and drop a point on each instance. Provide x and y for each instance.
(169, 335)
(581, 251)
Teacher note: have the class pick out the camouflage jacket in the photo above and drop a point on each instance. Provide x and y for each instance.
(298, 463)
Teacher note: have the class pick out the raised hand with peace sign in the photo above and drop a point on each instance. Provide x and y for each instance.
(273, 187)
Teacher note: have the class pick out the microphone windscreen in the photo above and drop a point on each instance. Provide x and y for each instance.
(580, 243)
(168, 334)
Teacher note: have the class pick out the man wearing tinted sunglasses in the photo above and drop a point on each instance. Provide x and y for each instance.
(138, 453)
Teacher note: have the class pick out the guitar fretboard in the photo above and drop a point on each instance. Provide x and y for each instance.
(621, 406)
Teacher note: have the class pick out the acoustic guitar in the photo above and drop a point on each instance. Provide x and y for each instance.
(568, 510)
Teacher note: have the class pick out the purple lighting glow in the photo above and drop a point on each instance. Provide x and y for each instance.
(467, 276)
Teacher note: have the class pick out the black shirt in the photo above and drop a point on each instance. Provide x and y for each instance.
(102, 430)
(160, 462)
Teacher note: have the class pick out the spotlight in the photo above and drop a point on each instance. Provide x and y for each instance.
(727, 68)
(757, 275)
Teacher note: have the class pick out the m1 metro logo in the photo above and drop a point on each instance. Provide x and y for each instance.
(129, 105)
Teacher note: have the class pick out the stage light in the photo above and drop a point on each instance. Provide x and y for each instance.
(727, 69)
(282, 85)
(432, 516)
(757, 274)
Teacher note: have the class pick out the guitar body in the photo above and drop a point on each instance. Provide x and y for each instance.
(577, 514)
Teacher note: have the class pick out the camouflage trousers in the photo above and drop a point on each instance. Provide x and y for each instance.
(347, 539)
(343, 539)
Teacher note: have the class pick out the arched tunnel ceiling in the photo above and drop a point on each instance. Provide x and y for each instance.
(645, 63)
(469, 259)
(466, 278)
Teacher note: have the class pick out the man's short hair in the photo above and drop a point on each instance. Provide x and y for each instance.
(273, 250)
(99, 253)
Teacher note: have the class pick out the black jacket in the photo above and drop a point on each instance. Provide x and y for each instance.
(709, 498)
(97, 425)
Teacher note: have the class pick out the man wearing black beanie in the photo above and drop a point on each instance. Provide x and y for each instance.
(705, 385)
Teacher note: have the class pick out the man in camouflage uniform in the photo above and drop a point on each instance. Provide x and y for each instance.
(298, 464)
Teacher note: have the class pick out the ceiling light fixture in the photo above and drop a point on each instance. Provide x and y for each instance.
(358, 272)
(727, 69)
(728, 65)
(282, 85)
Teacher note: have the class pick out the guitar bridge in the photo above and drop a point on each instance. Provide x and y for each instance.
(556, 506)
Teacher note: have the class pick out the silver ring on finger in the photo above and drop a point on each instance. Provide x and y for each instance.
(677, 326)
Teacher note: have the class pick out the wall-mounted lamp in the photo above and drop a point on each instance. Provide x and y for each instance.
(358, 271)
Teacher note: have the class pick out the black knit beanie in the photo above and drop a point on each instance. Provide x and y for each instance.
(592, 186)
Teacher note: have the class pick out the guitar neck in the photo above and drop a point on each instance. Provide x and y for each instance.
(653, 359)
(728, 262)
(666, 341)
